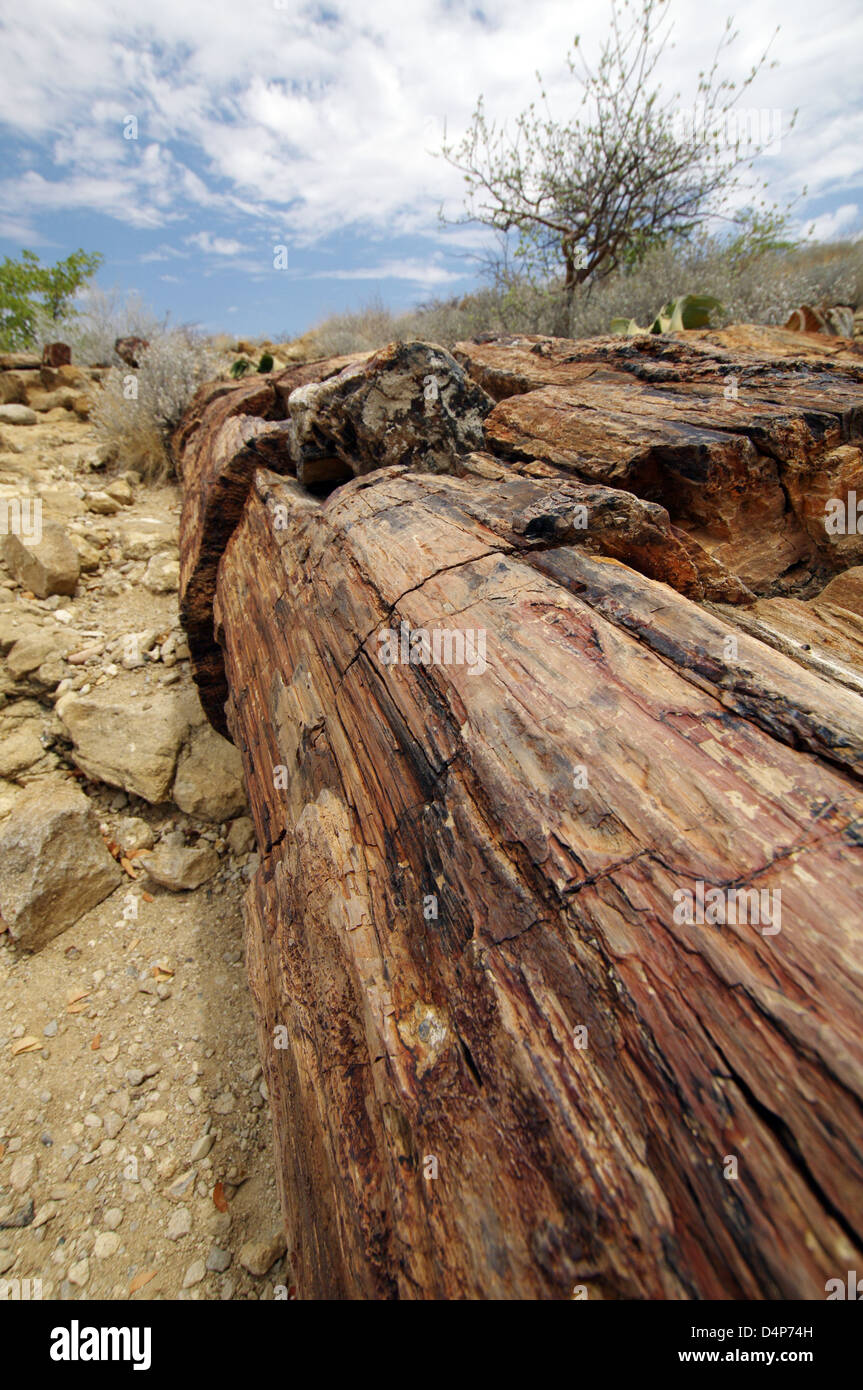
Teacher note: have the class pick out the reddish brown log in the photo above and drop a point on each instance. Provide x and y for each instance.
(500, 1062)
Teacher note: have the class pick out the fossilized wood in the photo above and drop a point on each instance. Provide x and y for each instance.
(390, 1037)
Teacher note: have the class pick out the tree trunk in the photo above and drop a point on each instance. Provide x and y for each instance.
(524, 1033)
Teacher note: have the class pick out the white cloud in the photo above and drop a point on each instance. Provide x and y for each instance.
(418, 272)
(214, 245)
(255, 111)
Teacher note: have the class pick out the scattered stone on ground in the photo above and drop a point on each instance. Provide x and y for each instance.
(135, 1141)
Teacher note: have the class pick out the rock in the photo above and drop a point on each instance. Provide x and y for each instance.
(194, 1274)
(49, 565)
(209, 778)
(241, 836)
(7, 1260)
(179, 1224)
(120, 491)
(126, 739)
(55, 864)
(56, 355)
(13, 388)
(20, 748)
(17, 415)
(162, 575)
(31, 653)
(19, 1218)
(846, 591)
(79, 1273)
(181, 870)
(130, 349)
(182, 1186)
(105, 1245)
(113, 1218)
(19, 361)
(101, 503)
(89, 557)
(133, 834)
(23, 1172)
(410, 403)
(113, 1123)
(218, 1260)
(259, 1256)
(152, 1119)
(202, 1147)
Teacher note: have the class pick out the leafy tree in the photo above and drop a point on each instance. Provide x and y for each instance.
(629, 172)
(30, 292)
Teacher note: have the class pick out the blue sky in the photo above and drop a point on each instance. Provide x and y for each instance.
(265, 123)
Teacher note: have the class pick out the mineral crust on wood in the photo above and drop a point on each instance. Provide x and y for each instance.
(556, 944)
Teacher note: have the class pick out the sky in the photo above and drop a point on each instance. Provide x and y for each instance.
(254, 165)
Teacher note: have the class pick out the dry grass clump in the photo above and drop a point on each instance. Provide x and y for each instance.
(135, 411)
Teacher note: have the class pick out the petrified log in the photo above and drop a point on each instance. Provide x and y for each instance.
(555, 942)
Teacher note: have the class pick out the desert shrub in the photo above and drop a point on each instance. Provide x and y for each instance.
(135, 411)
(97, 318)
(753, 284)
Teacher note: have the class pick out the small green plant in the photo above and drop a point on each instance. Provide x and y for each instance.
(240, 368)
(266, 362)
(687, 311)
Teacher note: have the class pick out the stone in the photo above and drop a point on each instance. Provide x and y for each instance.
(102, 504)
(846, 591)
(202, 1147)
(79, 1273)
(20, 748)
(121, 491)
(194, 1274)
(15, 414)
(179, 1224)
(32, 652)
(128, 740)
(162, 575)
(56, 355)
(410, 403)
(23, 1172)
(182, 1186)
(181, 870)
(55, 864)
(241, 836)
(133, 834)
(106, 1244)
(218, 1260)
(259, 1256)
(49, 565)
(209, 778)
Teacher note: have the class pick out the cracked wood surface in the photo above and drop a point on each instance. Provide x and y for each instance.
(616, 749)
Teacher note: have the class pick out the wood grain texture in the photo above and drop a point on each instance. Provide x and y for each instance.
(464, 938)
